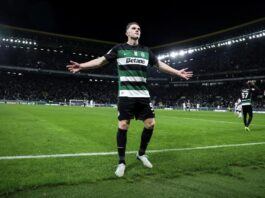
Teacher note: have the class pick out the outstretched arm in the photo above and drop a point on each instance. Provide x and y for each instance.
(253, 85)
(169, 70)
(95, 63)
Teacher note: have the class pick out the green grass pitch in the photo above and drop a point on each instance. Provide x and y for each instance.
(41, 130)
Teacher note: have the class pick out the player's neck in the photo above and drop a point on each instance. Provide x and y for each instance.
(132, 42)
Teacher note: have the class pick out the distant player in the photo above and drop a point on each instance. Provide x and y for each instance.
(238, 108)
(198, 106)
(188, 105)
(184, 106)
(246, 102)
(91, 103)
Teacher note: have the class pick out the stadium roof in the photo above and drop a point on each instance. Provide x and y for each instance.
(161, 22)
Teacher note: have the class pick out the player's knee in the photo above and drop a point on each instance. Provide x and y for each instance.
(124, 124)
(150, 125)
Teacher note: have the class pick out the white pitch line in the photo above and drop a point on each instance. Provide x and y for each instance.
(129, 152)
(221, 121)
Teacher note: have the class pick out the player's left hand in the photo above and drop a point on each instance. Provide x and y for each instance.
(185, 74)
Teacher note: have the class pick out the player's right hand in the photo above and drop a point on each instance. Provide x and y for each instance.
(74, 67)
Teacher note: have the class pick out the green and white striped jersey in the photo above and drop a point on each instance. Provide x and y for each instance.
(132, 63)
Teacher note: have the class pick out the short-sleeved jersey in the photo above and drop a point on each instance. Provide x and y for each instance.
(246, 96)
(132, 63)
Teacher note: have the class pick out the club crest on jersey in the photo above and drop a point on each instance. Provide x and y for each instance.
(136, 53)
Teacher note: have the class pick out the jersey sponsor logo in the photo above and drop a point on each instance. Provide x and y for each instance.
(135, 61)
(132, 61)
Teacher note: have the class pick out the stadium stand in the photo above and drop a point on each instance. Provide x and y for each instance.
(32, 68)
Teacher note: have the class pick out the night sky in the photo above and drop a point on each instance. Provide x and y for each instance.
(160, 23)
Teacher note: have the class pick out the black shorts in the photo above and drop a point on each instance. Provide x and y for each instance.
(138, 108)
(247, 109)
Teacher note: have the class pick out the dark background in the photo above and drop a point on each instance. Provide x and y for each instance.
(161, 23)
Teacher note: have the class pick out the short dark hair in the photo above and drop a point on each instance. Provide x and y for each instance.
(130, 24)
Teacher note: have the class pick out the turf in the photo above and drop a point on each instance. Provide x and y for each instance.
(221, 172)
